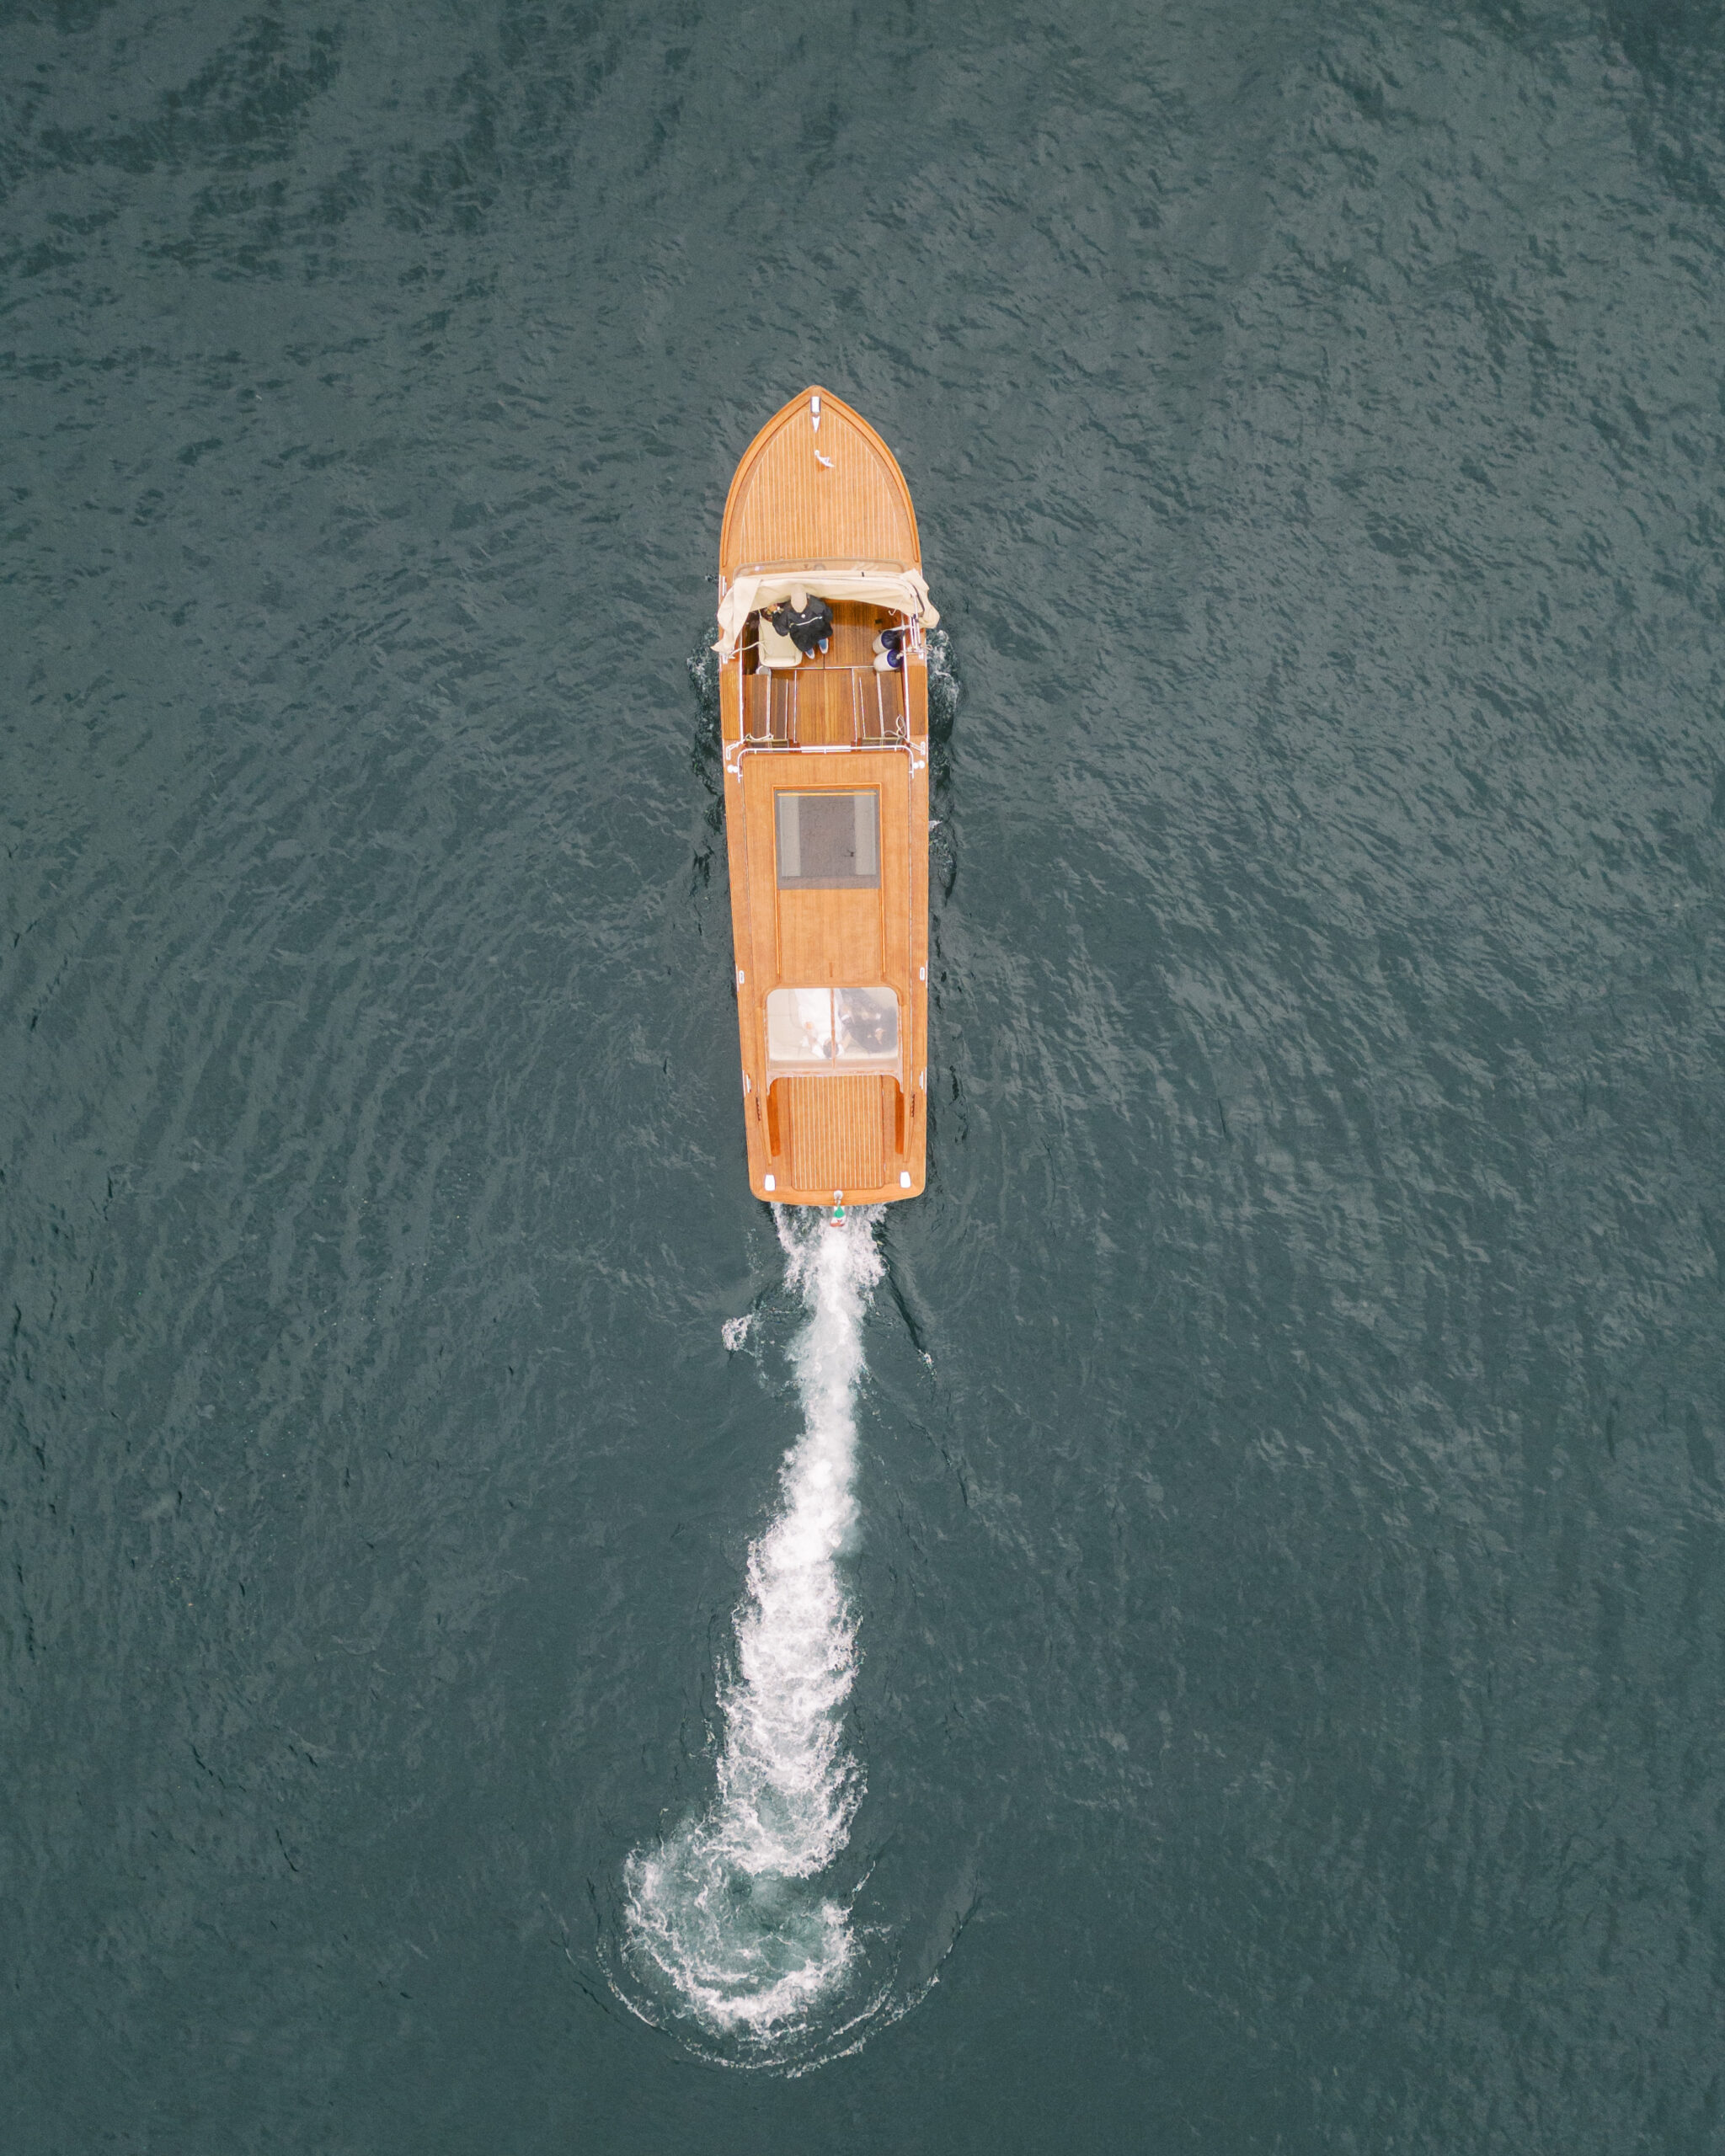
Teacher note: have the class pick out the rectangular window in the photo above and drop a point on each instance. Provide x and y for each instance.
(866, 1024)
(813, 1029)
(828, 841)
(799, 1025)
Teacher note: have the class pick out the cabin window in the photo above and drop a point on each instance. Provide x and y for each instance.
(828, 841)
(866, 1024)
(851, 1029)
(799, 1025)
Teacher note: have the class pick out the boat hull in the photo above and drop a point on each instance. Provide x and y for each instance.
(826, 820)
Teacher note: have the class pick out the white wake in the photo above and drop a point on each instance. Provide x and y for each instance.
(724, 1919)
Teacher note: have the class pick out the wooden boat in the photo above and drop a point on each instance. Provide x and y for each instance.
(826, 811)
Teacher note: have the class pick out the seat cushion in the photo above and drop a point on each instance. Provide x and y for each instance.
(776, 650)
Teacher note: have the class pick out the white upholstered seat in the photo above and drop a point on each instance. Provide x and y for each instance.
(776, 650)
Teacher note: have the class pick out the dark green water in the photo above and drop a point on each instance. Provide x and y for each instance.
(1291, 1579)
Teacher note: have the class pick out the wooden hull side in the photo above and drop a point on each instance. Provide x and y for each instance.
(817, 1135)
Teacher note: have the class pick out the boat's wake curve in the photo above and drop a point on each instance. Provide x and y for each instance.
(728, 1931)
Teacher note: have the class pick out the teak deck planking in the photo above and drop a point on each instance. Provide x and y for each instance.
(784, 506)
(848, 1135)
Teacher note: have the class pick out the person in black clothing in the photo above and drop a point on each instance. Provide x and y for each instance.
(808, 622)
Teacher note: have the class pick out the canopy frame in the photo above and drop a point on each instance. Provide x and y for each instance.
(869, 584)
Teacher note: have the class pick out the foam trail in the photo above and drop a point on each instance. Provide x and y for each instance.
(724, 1920)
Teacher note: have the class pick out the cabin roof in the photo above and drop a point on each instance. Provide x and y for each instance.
(804, 494)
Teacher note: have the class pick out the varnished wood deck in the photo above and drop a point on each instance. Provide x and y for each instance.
(786, 505)
(838, 1132)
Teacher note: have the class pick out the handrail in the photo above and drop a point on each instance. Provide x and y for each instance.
(780, 699)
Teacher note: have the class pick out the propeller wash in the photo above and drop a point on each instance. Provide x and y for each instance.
(727, 1924)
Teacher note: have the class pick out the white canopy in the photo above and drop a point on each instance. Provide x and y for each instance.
(901, 588)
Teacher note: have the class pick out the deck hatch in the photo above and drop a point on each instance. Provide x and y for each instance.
(828, 841)
(836, 1133)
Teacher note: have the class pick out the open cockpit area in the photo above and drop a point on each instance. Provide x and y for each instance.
(837, 698)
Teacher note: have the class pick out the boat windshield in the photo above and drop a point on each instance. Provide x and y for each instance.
(851, 1028)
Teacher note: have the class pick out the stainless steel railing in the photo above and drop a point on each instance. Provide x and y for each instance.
(875, 708)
